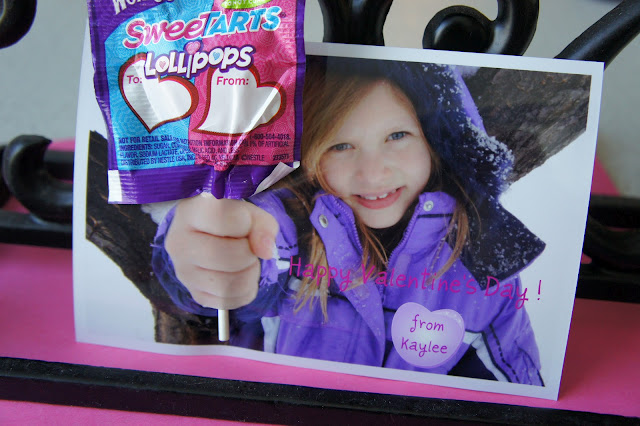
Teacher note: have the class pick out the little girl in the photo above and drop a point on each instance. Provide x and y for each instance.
(396, 201)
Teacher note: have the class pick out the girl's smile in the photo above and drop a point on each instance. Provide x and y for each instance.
(378, 161)
(379, 201)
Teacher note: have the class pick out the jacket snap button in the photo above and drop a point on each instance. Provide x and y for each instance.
(324, 222)
(428, 206)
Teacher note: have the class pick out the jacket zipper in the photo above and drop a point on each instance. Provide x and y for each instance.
(404, 239)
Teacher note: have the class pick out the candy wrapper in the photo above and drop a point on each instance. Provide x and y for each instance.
(198, 96)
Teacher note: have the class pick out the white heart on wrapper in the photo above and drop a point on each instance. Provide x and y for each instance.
(148, 97)
(239, 103)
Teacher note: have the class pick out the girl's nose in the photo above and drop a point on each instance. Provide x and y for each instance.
(373, 166)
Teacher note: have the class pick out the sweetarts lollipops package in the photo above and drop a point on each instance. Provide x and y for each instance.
(198, 96)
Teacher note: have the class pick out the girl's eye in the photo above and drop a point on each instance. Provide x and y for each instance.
(340, 147)
(396, 136)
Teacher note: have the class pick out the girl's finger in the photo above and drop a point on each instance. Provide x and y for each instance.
(218, 253)
(222, 290)
(223, 218)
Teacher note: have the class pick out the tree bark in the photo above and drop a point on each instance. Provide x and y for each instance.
(125, 233)
(535, 114)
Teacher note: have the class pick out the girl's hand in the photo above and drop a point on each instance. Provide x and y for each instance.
(215, 245)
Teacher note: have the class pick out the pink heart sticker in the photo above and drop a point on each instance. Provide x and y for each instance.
(426, 339)
(192, 47)
(155, 101)
(162, 63)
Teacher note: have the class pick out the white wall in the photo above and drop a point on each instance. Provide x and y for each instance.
(39, 74)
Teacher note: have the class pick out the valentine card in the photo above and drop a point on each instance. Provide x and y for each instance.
(431, 234)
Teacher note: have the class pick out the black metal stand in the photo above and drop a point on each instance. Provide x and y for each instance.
(130, 390)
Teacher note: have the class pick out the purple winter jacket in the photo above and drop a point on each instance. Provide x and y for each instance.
(498, 344)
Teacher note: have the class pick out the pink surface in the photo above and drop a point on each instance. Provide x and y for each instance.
(36, 322)
(601, 183)
(30, 413)
(63, 145)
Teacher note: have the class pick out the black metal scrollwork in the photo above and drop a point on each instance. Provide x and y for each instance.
(354, 21)
(612, 241)
(16, 17)
(606, 38)
(465, 29)
(4, 191)
(459, 28)
(48, 198)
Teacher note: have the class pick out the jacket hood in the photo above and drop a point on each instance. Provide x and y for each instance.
(448, 116)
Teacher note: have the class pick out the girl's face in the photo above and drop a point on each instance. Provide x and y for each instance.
(378, 161)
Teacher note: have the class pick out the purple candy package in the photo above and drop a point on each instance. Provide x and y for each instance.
(198, 95)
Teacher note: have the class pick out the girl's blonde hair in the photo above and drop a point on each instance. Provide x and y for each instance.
(328, 100)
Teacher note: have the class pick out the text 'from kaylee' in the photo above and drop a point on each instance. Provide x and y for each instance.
(426, 339)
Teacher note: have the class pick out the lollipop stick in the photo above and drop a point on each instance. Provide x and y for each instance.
(223, 325)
